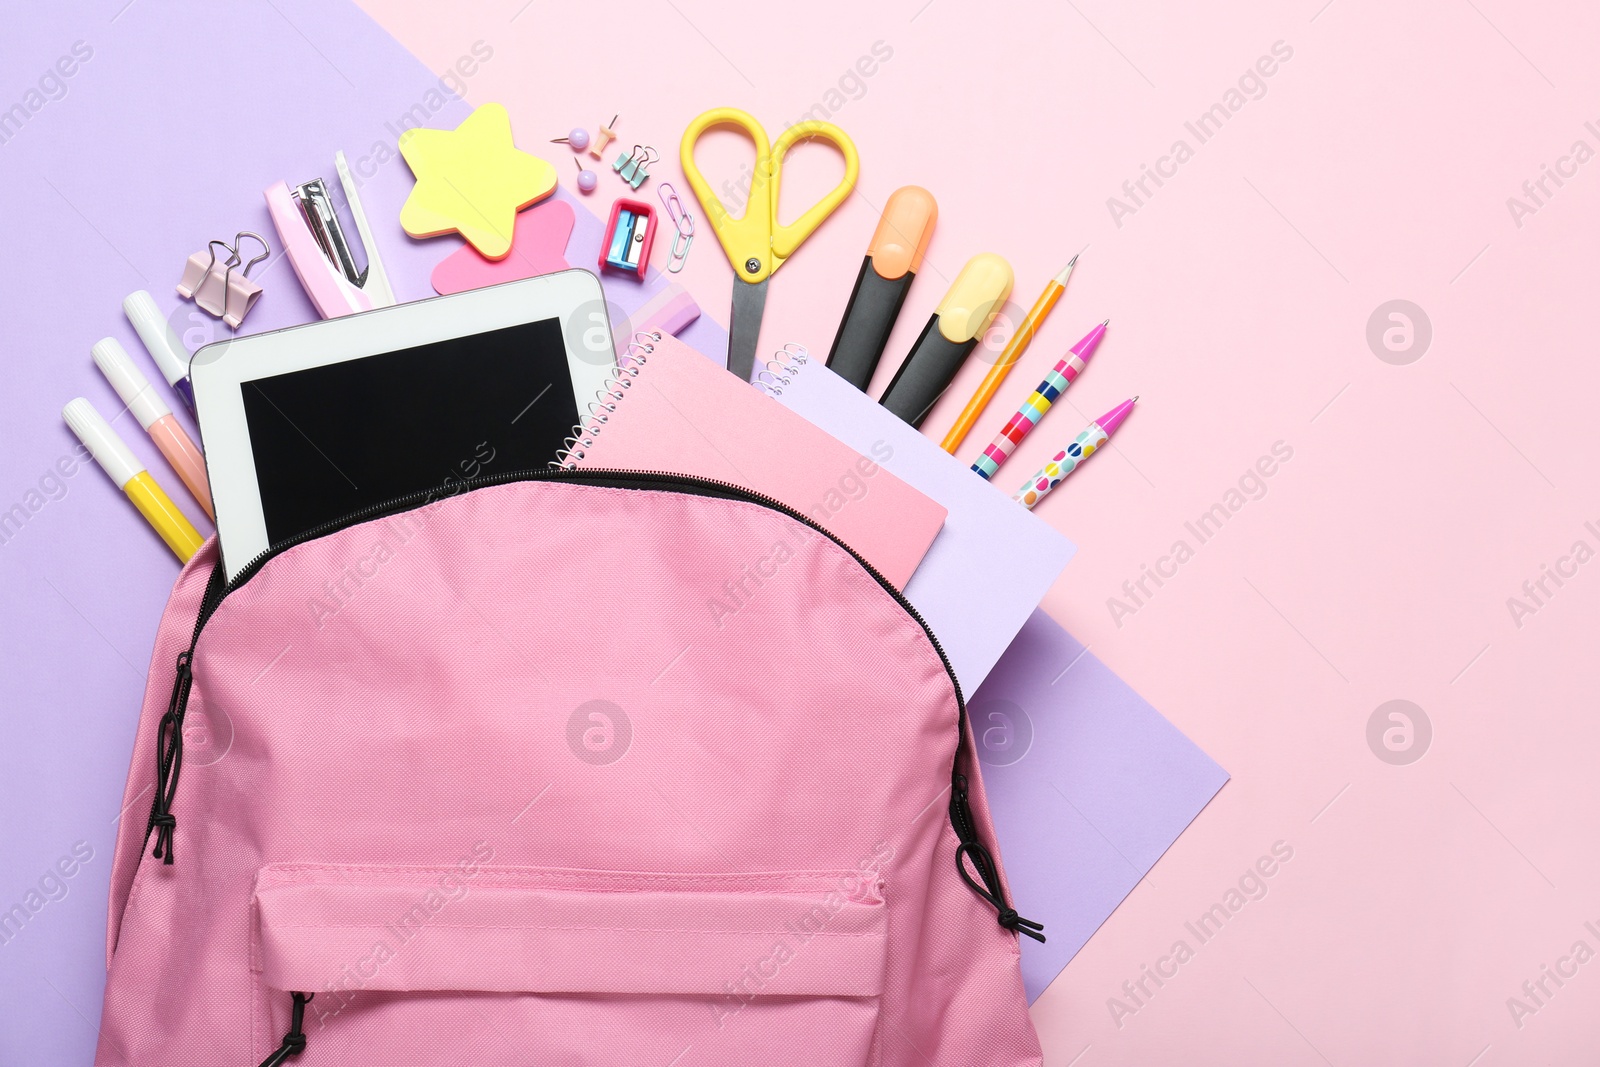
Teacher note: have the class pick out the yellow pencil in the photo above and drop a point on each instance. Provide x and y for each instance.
(1013, 351)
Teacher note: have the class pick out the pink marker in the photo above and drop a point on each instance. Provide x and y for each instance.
(1067, 460)
(156, 418)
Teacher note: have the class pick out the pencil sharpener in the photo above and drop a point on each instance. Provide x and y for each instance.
(629, 234)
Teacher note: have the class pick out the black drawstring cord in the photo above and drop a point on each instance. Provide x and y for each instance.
(971, 849)
(169, 760)
(989, 888)
(294, 1042)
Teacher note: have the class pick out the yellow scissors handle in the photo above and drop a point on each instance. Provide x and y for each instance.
(785, 239)
(755, 244)
(746, 240)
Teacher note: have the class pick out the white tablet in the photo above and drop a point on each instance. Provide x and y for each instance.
(308, 425)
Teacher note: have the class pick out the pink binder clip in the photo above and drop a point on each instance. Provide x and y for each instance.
(223, 287)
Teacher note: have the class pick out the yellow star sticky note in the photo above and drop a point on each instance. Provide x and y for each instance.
(472, 180)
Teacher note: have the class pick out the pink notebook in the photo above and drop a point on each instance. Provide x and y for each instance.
(684, 414)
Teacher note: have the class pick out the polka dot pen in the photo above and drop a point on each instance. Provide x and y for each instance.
(1033, 409)
(1066, 461)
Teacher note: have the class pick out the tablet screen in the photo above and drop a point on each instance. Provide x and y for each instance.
(331, 440)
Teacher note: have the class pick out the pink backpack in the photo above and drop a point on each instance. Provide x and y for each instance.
(564, 768)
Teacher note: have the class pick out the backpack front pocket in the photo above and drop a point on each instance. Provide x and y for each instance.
(498, 965)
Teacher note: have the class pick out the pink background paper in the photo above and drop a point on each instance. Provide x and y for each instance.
(1376, 564)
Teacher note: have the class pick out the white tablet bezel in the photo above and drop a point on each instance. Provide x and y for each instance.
(218, 371)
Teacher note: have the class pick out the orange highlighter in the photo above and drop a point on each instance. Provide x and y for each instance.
(893, 259)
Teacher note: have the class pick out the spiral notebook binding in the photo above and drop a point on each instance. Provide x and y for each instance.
(780, 370)
(598, 411)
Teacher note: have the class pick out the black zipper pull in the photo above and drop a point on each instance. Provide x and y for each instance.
(294, 1042)
(971, 849)
(169, 760)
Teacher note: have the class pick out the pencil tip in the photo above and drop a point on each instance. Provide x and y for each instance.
(1072, 261)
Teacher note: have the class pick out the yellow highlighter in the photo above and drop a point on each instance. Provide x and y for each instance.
(952, 333)
(116, 460)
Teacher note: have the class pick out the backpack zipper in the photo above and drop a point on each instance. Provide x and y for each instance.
(170, 748)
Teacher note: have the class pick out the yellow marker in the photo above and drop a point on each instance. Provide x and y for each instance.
(952, 333)
(1008, 358)
(472, 180)
(115, 459)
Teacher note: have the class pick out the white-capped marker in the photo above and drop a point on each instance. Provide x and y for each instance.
(116, 460)
(156, 418)
(162, 342)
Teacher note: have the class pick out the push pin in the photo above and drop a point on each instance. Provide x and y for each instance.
(603, 138)
(577, 140)
(586, 179)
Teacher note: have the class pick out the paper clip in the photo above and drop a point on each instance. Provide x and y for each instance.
(215, 287)
(678, 255)
(634, 166)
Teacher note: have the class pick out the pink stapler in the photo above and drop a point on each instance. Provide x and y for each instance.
(314, 240)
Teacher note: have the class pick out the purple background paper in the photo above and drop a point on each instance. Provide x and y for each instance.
(1087, 783)
(163, 139)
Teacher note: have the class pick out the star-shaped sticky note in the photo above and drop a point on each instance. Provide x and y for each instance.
(472, 180)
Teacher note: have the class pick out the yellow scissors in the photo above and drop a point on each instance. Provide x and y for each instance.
(756, 244)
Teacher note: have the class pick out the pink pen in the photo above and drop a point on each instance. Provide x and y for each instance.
(156, 418)
(1066, 461)
(1038, 403)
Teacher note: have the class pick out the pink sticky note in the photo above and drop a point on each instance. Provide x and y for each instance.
(538, 246)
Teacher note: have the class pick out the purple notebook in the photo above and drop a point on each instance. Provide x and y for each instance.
(1088, 785)
(993, 561)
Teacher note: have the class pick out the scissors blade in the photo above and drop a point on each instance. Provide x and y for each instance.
(744, 331)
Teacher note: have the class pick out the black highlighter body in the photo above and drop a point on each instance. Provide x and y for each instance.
(926, 373)
(868, 320)
(955, 329)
